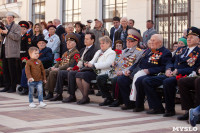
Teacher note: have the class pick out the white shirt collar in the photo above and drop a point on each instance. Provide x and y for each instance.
(58, 26)
(190, 50)
(89, 46)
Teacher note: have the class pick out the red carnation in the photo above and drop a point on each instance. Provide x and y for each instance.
(118, 51)
(58, 59)
(180, 76)
(77, 57)
(75, 68)
(24, 59)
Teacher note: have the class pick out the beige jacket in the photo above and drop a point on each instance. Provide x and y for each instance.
(12, 42)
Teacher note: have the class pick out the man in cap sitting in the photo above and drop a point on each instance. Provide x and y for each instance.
(129, 56)
(10, 48)
(66, 61)
(186, 61)
(153, 61)
(187, 84)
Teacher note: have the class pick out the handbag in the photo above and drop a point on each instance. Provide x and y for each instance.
(84, 69)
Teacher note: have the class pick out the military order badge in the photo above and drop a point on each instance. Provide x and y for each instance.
(192, 59)
(129, 61)
(155, 57)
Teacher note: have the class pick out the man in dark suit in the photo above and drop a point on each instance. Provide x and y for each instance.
(153, 62)
(185, 85)
(186, 61)
(59, 28)
(86, 54)
(116, 23)
(122, 33)
(69, 29)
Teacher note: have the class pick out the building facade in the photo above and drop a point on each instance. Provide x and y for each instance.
(171, 17)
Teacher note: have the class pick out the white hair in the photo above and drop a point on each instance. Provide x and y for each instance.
(124, 18)
(56, 20)
(159, 37)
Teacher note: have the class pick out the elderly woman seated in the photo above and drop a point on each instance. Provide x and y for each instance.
(46, 57)
(101, 63)
(53, 41)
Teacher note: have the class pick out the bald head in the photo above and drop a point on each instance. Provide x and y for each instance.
(156, 41)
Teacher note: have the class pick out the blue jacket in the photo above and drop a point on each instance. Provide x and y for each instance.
(155, 62)
(46, 57)
(183, 65)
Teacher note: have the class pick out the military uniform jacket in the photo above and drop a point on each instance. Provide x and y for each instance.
(25, 45)
(127, 59)
(185, 65)
(67, 60)
(154, 61)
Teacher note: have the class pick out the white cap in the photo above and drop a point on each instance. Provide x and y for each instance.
(10, 14)
(100, 20)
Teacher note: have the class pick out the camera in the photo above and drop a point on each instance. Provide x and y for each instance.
(2, 26)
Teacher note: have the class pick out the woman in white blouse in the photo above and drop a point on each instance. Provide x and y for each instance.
(101, 62)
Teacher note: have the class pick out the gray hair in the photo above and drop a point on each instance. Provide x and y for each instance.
(105, 39)
(56, 20)
(124, 18)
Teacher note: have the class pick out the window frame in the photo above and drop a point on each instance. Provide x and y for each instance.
(170, 16)
(64, 11)
(40, 14)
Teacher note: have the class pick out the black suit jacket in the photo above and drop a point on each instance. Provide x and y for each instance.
(60, 30)
(89, 54)
(112, 30)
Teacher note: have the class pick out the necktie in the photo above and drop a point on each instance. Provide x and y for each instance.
(86, 49)
(186, 52)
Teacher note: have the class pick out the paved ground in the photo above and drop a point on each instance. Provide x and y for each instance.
(17, 117)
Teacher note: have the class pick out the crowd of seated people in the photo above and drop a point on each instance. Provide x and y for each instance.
(135, 65)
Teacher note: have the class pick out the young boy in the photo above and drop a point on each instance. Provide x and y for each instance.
(35, 73)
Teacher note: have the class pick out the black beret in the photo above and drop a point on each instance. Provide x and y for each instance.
(42, 39)
(51, 26)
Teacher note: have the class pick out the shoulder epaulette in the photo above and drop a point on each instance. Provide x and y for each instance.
(138, 49)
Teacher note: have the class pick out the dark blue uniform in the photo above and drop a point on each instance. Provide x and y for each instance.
(185, 65)
(155, 62)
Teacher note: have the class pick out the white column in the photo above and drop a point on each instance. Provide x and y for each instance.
(30, 9)
(61, 11)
